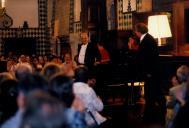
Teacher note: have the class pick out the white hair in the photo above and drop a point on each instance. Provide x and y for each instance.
(183, 73)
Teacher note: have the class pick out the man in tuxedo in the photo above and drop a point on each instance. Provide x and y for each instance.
(88, 53)
(148, 63)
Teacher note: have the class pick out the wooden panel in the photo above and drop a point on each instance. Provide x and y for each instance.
(179, 27)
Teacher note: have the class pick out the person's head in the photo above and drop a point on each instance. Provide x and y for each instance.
(141, 29)
(81, 74)
(62, 88)
(45, 59)
(22, 70)
(22, 58)
(182, 73)
(43, 111)
(84, 37)
(100, 45)
(50, 69)
(67, 57)
(133, 43)
(28, 59)
(41, 60)
(28, 84)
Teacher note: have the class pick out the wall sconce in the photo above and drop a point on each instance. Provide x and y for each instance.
(5, 20)
(159, 27)
(2, 3)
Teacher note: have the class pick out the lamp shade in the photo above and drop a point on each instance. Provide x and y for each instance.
(158, 26)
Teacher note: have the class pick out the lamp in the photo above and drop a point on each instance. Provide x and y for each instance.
(158, 27)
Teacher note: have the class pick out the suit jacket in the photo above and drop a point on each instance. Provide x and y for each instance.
(91, 54)
(148, 55)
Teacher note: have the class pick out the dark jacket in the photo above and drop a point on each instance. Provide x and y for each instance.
(91, 54)
(148, 55)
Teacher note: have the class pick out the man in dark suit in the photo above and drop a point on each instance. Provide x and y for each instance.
(148, 63)
(88, 53)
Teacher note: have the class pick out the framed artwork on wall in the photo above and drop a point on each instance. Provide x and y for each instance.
(129, 5)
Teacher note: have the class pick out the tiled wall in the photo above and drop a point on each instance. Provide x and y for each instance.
(75, 27)
(41, 34)
(125, 20)
(71, 25)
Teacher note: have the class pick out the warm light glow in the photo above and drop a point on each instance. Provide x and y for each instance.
(3, 3)
(158, 26)
(77, 10)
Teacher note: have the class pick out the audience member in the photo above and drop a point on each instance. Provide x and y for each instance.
(25, 86)
(22, 70)
(180, 120)
(177, 93)
(22, 59)
(11, 64)
(62, 88)
(41, 61)
(50, 69)
(69, 65)
(43, 111)
(92, 102)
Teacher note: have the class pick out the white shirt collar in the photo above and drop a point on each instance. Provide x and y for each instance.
(82, 53)
(85, 44)
(142, 37)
